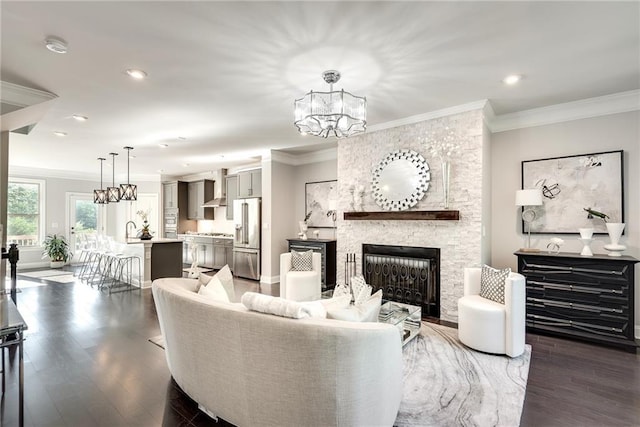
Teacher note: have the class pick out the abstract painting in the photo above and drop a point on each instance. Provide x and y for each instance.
(320, 199)
(572, 183)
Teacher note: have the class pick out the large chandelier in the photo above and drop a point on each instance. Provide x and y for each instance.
(338, 113)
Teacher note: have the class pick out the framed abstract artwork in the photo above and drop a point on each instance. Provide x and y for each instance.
(320, 203)
(572, 184)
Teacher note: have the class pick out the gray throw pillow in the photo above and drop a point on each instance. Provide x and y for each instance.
(492, 283)
(302, 261)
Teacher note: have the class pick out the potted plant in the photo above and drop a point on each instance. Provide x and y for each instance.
(57, 249)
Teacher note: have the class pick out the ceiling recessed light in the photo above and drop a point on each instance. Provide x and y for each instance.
(132, 157)
(186, 164)
(80, 118)
(59, 133)
(136, 74)
(163, 145)
(182, 138)
(512, 79)
(55, 44)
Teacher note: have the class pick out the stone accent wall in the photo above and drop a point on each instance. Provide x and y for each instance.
(460, 241)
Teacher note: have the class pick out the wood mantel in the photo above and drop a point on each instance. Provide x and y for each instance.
(443, 215)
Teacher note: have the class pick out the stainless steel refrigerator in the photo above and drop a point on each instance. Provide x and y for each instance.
(246, 239)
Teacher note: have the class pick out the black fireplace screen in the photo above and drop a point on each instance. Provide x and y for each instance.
(406, 274)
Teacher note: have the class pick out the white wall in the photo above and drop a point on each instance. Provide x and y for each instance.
(509, 148)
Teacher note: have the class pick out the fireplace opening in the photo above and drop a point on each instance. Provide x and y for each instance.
(406, 274)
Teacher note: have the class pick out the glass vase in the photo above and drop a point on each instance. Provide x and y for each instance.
(446, 172)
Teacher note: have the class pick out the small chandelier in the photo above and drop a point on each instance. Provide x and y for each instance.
(100, 195)
(338, 113)
(128, 191)
(113, 192)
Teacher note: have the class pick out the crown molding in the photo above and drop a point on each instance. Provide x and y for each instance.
(585, 108)
(476, 105)
(22, 96)
(305, 158)
(29, 172)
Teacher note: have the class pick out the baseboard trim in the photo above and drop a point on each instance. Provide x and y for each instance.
(270, 280)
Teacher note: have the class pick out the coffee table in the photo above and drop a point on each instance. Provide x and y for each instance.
(405, 317)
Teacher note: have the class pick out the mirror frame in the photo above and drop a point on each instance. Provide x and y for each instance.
(424, 176)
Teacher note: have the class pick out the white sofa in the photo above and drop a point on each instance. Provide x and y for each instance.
(255, 369)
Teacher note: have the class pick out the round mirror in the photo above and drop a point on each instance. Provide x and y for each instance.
(400, 180)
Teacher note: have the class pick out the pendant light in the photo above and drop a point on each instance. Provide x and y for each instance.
(100, 196)
(113, 193)
(128, 191)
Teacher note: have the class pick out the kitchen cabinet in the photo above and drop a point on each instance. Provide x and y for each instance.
(170, 195)
(250, 183)
(588, 298)
(200, 192)
(326, 248)
(232, 194)
(220, 252)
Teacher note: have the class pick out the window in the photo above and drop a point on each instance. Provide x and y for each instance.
(25, 220)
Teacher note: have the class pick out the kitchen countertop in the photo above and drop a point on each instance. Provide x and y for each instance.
(207, 236)
(133, 241)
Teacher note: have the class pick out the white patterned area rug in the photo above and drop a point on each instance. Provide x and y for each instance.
(448, 384)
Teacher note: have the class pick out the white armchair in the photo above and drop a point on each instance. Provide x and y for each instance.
(487, 325)
(300, 285)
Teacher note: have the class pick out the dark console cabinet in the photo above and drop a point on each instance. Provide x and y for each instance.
(590, 298)
(327, 248)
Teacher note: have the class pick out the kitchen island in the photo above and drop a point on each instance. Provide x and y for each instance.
(160, 257)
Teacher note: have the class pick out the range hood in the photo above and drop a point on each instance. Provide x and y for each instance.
(221, 194)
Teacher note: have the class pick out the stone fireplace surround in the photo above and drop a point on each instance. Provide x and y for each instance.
(460, 241)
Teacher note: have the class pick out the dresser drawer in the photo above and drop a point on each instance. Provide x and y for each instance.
(579, 293)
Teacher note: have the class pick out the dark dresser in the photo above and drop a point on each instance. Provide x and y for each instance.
(327, 248)
(590, 298)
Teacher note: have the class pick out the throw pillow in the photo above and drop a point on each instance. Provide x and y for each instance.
(302, 261)
(492, 283)
(214, 290)
(282, 307)
(203, 279)
(341, 289)
(366, 312)
(224, 277)
(361, 291)
(337, 302)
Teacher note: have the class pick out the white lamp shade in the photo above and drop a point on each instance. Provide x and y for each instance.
(529, 197)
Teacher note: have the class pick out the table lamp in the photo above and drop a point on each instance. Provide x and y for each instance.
(529, 197)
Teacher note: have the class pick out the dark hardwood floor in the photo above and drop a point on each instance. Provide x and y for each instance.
(88, 362)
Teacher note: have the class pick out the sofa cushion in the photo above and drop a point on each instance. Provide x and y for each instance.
(360, 289)
(492, 283)
(214, 290)
(366, 312)
(224, 277)
(282, 307)
(336, 302)
(302, 261)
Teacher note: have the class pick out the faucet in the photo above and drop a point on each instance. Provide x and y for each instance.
(126, 229)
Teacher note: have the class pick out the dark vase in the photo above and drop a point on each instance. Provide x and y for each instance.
(146, 235)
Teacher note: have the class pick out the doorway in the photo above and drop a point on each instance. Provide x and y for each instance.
(83, 218)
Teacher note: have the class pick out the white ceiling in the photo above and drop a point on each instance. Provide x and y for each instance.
(225, 74)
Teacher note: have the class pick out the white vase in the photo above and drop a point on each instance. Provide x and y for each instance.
(615, 231)
(586, 233)
(303, 229)
(446, 173)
